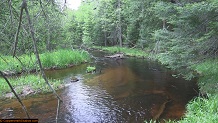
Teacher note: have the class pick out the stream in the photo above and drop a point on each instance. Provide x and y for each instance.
(125, 90)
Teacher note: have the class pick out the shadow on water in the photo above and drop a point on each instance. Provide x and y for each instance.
(128, 90)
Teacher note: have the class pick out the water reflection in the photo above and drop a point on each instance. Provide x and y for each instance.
(129, 90)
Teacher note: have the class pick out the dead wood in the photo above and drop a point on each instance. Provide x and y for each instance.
(161, 110)
(24, 108)
(120, 55)
(23, 5)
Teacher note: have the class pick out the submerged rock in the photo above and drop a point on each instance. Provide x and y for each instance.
(8, 73)
(21, 91)
(74, 79)
(27, 90)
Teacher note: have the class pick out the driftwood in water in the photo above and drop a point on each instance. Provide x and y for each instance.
(161, 110)
(116, 56)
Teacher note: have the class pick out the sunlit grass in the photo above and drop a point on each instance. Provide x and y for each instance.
(208, 79)
(126, 51)
(62, 58)
(59, 58)
(202, 111)
(36, 82)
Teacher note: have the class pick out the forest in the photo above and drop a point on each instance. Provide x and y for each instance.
(180, 34)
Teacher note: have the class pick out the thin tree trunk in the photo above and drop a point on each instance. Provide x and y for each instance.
(105, 38)
(105, 35)
(48, 45)
(37, 56)
(164, 24)
(36, 51)
(119, 24)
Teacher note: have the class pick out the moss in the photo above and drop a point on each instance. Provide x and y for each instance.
(90, 69)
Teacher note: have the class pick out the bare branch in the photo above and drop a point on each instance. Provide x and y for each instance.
(23, 5)
(39, 61)
(36, 51)
(11, 15)
(24, 108)
(3, 59)
(58, 108)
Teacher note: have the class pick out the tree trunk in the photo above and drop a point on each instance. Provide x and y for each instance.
(105, 38)
(164, 24)
(119, 24)
(105, 33)
(48, 44)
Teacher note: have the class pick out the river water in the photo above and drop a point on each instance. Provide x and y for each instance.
(121, 91)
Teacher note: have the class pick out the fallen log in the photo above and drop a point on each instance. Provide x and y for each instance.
(115, 56)
(161, 110)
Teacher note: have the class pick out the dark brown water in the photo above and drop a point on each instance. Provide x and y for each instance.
(128, 90)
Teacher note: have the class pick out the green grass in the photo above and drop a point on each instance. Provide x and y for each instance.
(36, 82)
(127, 51)
(62, 58)
(202, 111)
(59, 58)
(208, 80)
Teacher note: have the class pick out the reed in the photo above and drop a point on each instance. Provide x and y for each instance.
(202, 110)
(58, 58)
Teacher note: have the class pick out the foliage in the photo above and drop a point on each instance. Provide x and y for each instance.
(182, 34)
(48, 20)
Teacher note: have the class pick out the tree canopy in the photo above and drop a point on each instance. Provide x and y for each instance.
(180, 32)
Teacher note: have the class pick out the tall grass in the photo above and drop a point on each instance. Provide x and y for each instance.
(208, 80)
(202, 111)
(59, 58)
(62, 58)
(126, 51)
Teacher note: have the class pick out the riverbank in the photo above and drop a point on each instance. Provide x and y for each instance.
(26, 84)
(203, 108)
(50, 60)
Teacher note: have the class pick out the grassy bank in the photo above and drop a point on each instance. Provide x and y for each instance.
(57, 59)
(203, 110)
(127, 51)
(31, 83)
